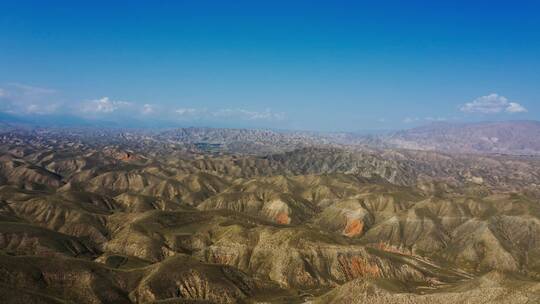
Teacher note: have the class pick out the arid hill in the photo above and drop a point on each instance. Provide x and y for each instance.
(111, 216)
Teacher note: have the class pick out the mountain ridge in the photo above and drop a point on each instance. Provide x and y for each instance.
(111, 216)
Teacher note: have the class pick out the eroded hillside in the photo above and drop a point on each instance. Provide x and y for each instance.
(135, 218)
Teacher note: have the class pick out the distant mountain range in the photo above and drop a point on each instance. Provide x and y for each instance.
(509, 137)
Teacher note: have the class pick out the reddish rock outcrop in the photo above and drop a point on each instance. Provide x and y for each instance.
(354, 227)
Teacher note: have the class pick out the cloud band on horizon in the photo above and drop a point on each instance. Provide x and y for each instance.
(492, 104)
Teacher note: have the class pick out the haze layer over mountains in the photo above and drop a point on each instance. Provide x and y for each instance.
(440, 214)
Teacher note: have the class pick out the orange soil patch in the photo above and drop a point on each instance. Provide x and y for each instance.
(353, 228)
(127, 156)
(283, 218)
(356, 267)
(385, 247)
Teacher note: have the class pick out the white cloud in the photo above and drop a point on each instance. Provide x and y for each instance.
(104, 105)
(515, 108)
(492, 104)
(42, 109)
(429, 118)
(411, 119)
(148, 109)
(249, 115)
(240, 114)
(190, 112)
(21, 99)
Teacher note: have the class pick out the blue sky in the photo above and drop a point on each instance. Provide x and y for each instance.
(311, 65)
